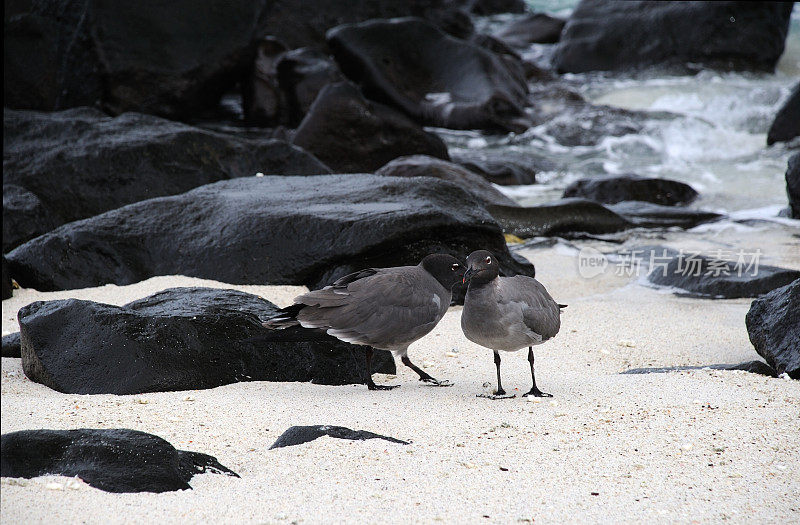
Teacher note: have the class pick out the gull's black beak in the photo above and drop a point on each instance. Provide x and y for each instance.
(468, 275)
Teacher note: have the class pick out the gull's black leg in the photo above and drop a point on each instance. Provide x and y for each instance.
(499, 393)
(370, 383)
(423, 376)
(534, 390)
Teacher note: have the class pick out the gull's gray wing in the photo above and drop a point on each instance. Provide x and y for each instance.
(540, 313)
(386, 308)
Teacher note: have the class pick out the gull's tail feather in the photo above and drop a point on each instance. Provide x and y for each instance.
(285, 318)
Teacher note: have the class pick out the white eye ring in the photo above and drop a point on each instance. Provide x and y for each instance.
(488, 260)
(455, 266)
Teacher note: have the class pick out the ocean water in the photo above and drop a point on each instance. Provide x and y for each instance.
(713, 139)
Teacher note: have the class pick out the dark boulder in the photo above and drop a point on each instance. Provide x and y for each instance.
(303, 434)
(263, 103)
(7, 285)
(78, 163)
(697, 275)
(11, 345)
(502, 166)
(610, 35)
(614, 189)
(178, 339)
(352, 134)
(793, 185)
(424, 166)
(266, 230)
(435, 78)
(786, 125)
(495, 7)
(24, 216)
(534, 28)
(301, 23)
(649, 215)
(113, 460)
(49, 58)
(773, 324)
(301, 74)
(559, 218)
(171, 59)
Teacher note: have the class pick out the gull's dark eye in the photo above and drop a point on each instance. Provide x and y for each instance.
(488, 260)
(455, 266)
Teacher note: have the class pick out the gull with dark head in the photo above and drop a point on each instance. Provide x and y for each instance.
(507, 313)
(384, 308)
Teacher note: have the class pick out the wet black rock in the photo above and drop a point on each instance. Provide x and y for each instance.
(425, 166)
(614, 189)
(495, 7)
(7, 286)
(352, 134)
(773, 324)
(303, 23)
(298, 435)
(786, 125)
(649, 215)
(113, 460)
(793, 185)
(697, 275)
(610, 35)
(79, 162)
(178, 339)
(266, 230)
(171, 59)
(301, 75)
(436, 79)
(534, 28)
(561, 218)
(502, 166)
(11, 345)
(24, 216)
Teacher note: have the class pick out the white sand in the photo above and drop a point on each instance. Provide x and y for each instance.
(700, 446)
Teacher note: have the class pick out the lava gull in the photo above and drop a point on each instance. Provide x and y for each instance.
(507, 313)
(384, 308)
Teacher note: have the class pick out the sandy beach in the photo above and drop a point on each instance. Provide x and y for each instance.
(677, 447)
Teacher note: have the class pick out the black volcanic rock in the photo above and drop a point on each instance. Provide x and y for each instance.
(301, 75)
(352, 134)
(11, 345)
(649, 215)
(178, 339)
(715, 278)
(425, 166)
(171, 59)
(610, 35)
(559, 218)
(113, 460)
(614, 189)
(494, 7)
(266, 230)
(502, 166)
(786, 125)
(773, 324)
(793, 185)
(435, 78)
(301, 23)
(298, 435)
(79, 163)
(534, 28)
(7, 286)
(24, 216)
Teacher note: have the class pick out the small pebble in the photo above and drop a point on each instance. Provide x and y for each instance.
(188, 398)
(141, 400)
(627, 343)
